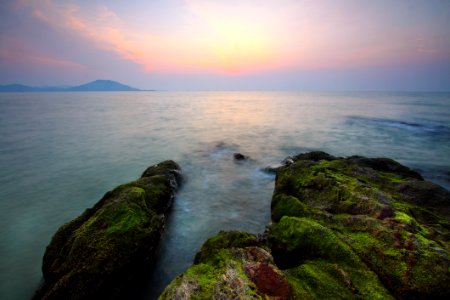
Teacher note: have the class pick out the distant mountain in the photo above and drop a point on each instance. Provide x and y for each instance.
(94, 86)
(102, 85)
(16, 88)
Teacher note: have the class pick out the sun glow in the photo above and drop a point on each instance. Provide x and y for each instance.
(237, 47)
(229, 37)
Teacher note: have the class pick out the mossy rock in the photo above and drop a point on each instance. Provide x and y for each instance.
(226, 240)
(231, 265)
(293, 240)
(96, 253)
(372, 219)
(285, 205)
(322, 279)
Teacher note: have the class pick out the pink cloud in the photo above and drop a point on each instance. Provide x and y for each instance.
(104, 29)
(17, 52)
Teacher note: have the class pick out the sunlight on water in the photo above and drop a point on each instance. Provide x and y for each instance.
(60, 152)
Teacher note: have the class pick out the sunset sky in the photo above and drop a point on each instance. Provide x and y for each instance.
(229, 44)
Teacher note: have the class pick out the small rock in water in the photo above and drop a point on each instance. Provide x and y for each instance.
(239, 156)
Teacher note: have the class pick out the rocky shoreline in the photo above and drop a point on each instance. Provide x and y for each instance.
(350, 228)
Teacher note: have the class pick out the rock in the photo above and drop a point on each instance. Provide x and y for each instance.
(239, 156)
(95, 254)
(268, 279)
(167, 168)
(314, 156)
(360, 227)
(231, 265)
(342, 228)
(226, 240)
(385, 165)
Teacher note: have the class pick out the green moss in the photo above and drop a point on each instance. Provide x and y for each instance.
(393, 177)
(218, 257)
(125, 219)
(315, 280)
(284, 205)
(405, 219)
(321, 279)
(396, 258)
(119, 189)
(126, 212)
(373, 209)
(296, 239)
(183, 286)
(163, 168)
(225, 240)
(220, 276)
(430, 275)
(205, 277)
(159, 193)
(332, 186)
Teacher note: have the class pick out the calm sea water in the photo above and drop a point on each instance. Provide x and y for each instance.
(60, 152)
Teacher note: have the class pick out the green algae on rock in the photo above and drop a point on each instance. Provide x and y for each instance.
(95, 254)
(360, 228)
(231, 265)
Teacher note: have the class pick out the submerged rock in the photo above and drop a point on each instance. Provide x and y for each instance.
(239, 156)
(93, 256)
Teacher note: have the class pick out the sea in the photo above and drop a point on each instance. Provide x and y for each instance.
(61, 152)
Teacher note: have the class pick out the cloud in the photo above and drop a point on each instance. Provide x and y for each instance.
(15, 52)
(236, 37)
(427, 50)
(102, 28)
(210, 43)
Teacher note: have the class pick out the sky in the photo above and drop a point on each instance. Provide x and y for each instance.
(401, 45)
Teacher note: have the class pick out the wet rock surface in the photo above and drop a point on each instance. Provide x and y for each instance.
(93, 256)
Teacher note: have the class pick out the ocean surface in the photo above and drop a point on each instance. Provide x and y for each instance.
(60, 153)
